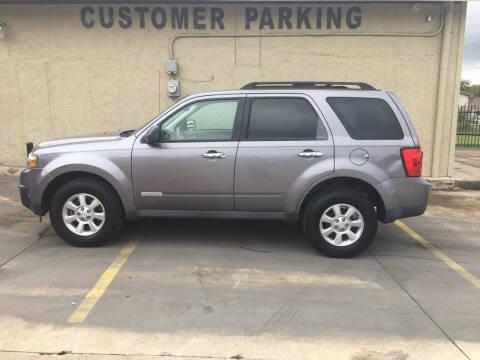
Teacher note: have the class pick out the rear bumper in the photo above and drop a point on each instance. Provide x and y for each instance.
(403, 197)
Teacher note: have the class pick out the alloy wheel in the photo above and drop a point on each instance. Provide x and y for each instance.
(341, 224)
(83, 214)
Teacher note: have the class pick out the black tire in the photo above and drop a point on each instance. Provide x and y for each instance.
(114, 217)
(320, 203)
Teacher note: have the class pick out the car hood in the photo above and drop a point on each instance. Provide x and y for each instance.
(94, 138)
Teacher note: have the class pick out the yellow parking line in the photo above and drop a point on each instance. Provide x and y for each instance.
(467, 275)
(102, 284)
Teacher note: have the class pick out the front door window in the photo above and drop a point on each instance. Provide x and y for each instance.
(211, 120)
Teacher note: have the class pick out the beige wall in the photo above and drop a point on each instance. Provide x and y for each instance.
(59, 78)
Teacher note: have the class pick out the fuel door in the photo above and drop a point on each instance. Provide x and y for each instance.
(359, 157)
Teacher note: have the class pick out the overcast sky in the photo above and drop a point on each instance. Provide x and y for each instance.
(471, 53)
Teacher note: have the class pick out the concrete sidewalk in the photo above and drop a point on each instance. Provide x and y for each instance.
(467, 168)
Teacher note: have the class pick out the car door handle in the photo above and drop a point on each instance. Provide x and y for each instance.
(309, 154)
(214, 155)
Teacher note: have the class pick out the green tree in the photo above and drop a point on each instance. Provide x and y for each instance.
(465, 85)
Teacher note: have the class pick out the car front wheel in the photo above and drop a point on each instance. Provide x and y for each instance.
(86, 212)
(340, 223)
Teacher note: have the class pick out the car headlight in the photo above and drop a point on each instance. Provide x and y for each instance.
(32, 160)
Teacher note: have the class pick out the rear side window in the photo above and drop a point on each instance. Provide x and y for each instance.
(366, 118)
(283, 119)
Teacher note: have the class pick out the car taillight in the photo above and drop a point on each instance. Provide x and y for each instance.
(412, 161)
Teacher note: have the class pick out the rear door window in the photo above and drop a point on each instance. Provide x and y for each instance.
(283, 119)
(367, 118)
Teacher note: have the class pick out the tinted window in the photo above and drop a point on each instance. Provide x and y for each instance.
(201, 121)
(366, 118)
(282, 119)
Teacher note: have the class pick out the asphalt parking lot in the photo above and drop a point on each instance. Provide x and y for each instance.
(210, 289)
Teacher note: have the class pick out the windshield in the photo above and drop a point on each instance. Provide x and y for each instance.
(144, 125)
(172, 123)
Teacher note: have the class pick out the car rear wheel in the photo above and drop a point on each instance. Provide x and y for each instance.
(340, 223)
(86, 212)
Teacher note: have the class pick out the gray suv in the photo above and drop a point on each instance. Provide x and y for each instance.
(334, 156)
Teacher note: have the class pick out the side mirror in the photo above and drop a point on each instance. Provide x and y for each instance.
(153, 136)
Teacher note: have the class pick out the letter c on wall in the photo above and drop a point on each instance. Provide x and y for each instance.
(83, 17)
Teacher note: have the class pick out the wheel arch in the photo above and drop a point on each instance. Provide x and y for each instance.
(65, 177)
(361, 186)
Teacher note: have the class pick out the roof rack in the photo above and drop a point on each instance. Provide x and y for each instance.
(306, 85)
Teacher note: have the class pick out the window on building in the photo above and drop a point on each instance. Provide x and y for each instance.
(366, 118)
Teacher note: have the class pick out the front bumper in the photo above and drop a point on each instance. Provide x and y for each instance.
(31, 189)
(25, 196)
(403, 197)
